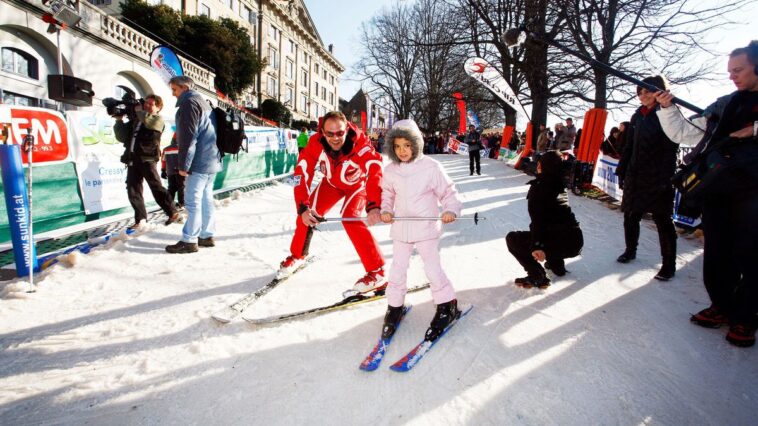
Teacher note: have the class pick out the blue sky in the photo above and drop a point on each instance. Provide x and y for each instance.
(338, 23)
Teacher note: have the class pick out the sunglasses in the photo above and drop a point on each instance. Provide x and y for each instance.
(337, 134)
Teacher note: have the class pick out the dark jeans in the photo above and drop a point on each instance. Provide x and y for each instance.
(475, 157)
(147, 171)
(567, 244)
(730, 263)
(666, 233)
(176, 186)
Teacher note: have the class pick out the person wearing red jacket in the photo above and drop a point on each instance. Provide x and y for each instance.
(352, 170)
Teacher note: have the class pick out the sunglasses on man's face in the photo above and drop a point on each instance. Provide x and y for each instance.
(337, 134)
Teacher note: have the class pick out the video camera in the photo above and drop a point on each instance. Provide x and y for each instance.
(125, 105)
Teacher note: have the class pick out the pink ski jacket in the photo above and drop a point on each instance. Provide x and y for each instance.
(418, 189)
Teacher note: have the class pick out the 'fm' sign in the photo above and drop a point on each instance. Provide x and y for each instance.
(48, 128)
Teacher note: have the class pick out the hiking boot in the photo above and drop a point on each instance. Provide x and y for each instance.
(541, 282)
(206, 242)
(391, 320)
(182, 247)
(372, 281)
(742, 335)
(667, 272)
(627, 256)
(710, 317)
(447, 313)
(173, 218)
(290, 265)
(558, 267)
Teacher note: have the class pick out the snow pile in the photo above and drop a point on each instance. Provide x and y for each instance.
(123, 335)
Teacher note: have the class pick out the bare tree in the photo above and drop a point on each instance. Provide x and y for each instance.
(389, 62)
(638, 37)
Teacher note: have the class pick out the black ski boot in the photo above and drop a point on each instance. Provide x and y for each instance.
(391, 320)
(558, 266)
(446, 314)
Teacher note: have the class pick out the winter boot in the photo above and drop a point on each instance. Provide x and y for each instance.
(710, 317)
(742, 335)
(540, 281)
(521, 281)
(391, 320)
(289, 265)
(206, 242)
(667, 238)
(446, 314)
(182, 247)
(627, 256)
(372, 281)
(668, 269)
(557, 266)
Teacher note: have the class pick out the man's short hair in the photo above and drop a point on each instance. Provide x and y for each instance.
(570, 119)
(182, 80)
(751, 50)
(158, 100)
(334, 115)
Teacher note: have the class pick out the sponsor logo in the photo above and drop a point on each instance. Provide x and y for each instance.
(48, 128)
(364, 150)
(296, 180)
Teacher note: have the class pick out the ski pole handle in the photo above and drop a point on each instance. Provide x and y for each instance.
(476, 218)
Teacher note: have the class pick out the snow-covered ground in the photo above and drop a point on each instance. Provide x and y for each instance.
(124, 334)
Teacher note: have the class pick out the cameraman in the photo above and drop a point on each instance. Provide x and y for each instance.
(730, 207)
(141, 136)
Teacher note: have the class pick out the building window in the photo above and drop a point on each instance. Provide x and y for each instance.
(289, 71)
(205, 10)
(315, 110)
(315, 87)
(232, 5)
(331, 80)
(19, 62)
(272, 89)
(293, 47)
(324, 75)
(305, 78)
(249, 15)
(304, 104)
(315, 69)
(10, 98)
(290, 98)
(273, 33)
(331, 98)
(273, 58)
(323, 93)
(305, 58)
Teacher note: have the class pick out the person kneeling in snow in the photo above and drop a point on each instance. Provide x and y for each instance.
(554, 233)
(416, 185)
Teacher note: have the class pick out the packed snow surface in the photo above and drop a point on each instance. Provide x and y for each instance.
(124, 335)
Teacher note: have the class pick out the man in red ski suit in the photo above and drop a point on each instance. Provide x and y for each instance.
(352, 170)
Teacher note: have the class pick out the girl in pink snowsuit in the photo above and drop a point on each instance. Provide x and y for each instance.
(415, 185)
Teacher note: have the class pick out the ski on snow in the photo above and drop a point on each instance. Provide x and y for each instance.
(235, 309)
(347, 302)
(414, 356)
(376, 356)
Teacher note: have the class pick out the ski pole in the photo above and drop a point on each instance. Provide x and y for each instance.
(475, 218)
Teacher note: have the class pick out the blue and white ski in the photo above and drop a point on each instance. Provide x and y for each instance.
(414, 356)
(376, 356)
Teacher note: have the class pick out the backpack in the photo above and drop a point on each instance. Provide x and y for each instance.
(230, 131)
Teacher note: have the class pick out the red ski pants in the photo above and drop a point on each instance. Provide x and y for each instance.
(322, 200)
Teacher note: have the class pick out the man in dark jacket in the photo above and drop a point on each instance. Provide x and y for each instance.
(474, 145)
(141, 136)
(199, 161)
(554, 232)
(730, 202)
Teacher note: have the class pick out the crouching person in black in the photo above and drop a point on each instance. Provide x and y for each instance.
(141, 136)
(554, 233)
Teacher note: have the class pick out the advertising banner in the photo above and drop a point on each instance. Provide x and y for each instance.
(48, 127)
(481, 71)
(605, 176)
(164, 61)
(456, 147)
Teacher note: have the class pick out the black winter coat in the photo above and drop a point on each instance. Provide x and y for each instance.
(554, 227)
(646, 166)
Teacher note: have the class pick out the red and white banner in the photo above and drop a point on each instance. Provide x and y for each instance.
(490, 77)
(48, 127)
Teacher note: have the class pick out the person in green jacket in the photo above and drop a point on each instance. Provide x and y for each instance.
(302, 139)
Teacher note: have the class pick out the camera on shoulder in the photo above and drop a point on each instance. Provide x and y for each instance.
(124, 106)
